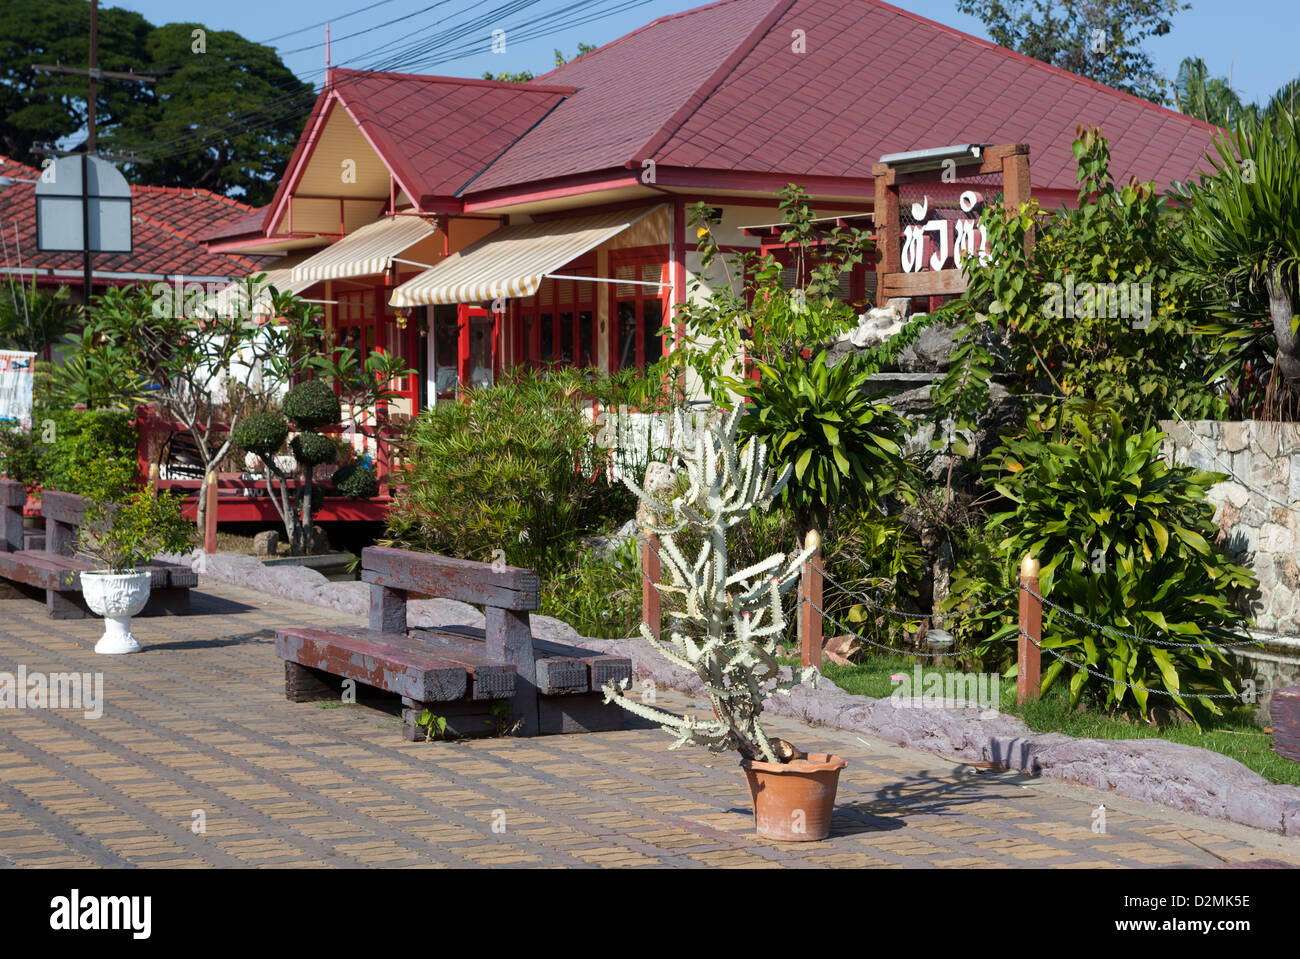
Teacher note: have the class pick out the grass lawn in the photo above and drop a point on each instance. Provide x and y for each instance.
(1234, 735)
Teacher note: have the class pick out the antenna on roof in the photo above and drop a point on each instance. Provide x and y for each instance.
(327, 53)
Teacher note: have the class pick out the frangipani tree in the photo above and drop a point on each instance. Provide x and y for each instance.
(729, 622)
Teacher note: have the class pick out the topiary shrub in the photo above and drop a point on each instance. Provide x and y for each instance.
(312, 449)
(312, 405)
(356, 482)
(261, 433)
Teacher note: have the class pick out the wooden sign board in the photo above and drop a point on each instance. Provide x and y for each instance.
(908, 262)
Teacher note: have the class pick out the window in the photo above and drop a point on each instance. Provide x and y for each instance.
(364, 322)
(559, 322)
(638, 310)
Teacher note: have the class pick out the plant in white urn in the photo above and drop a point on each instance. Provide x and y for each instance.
(124, 534)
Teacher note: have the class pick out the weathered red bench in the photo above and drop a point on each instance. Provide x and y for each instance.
(1284, 713)
(55, 567)
(461, 674)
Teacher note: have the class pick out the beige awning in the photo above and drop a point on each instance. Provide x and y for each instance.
(512, 261)
(368, 251)
(231, 300)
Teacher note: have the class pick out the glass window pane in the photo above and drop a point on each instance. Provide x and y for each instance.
(548, 338)
(626, 344)
(446, 347)
(654, 319)
(586, 339)
(566, 337)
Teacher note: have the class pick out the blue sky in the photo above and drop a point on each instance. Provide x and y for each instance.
(1254, 40)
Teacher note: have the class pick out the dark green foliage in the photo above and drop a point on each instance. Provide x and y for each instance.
(504, 470)
(1126, 541)
(82, 443)
(311, 405)
(261, 433)
(20, 455)
(845, 448)
(356, 482)
(125, 532)
(312, 449)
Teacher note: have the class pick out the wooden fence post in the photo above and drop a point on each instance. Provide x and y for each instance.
(650, 609)
(810, 593)
(210, 516)
(153, 478)
(1028, 656)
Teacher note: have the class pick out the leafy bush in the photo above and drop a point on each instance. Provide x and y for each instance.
(503, 471)
(20, 454)
(355, 481)
(126, 534)
(312, 449)
(311, 405)
(845, 449)
(598, 596)
(1127, 541)
(261, 433)
(83, 442)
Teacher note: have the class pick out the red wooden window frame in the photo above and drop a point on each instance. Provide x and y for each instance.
(569, 296)
(651, 265)
(374, 330)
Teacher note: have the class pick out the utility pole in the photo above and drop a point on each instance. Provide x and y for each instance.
(93, 74)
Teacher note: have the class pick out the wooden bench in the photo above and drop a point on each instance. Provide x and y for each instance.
(55, 567)
(480, 680)
(1284, 713)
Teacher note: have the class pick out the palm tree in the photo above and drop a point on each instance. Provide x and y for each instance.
(31, 318)
(1197, 94)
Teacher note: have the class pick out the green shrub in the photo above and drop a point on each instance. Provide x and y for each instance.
(126, 534)
(1126, 541)
(20, 454)
(600, 597)
(845, 448)
(311, 405)
(81, 444)
(261, 434)
(312, 449)
(504, 470)
(356, 482)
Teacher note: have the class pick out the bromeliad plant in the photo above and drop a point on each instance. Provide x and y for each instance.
(730, 622)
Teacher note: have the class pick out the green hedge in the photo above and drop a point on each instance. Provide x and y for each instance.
(67, 448)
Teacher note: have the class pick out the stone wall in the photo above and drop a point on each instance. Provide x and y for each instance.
(1257, 507)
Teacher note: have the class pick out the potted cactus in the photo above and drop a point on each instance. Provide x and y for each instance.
(727, 628)
(124, 535)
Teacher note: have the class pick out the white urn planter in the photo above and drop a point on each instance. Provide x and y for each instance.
(117, 597)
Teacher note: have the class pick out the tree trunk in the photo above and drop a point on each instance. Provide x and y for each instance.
(1281, 306)
(308, 528)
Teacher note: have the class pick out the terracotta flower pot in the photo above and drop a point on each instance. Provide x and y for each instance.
(793, 801)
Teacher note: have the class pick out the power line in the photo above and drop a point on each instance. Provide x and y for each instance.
(341, 16)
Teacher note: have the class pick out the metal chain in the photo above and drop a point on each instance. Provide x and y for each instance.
(1119, 682)
(907, 614)
(1120, 634)
(872, 642)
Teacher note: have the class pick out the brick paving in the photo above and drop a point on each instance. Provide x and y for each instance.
(198, 760)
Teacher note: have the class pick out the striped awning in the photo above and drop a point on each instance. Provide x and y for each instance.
(512, 261)
(232, 300)
(368, 251)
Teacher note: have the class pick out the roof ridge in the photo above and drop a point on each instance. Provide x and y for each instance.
(1017, 55)
(458, 81)
(185, 237)
(715, 79)
(195, 191)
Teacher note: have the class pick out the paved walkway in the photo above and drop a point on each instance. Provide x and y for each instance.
(198, 760)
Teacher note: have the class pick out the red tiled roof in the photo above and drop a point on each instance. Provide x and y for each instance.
(442, 130)
(719, 87)
(169, 224)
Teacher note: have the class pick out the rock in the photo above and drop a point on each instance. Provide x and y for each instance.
(877, 325)
(320, 541)
(659, 483)
(266, 543)
(931, 352)
(606, 546)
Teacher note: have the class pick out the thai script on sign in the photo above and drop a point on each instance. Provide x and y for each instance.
(954, 240)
